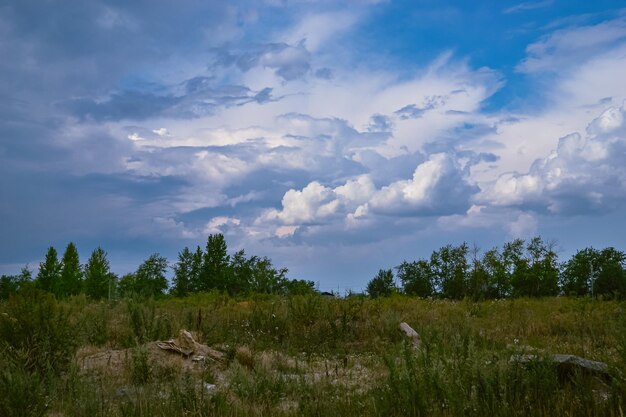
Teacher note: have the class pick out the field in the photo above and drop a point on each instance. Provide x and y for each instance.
(309, 356)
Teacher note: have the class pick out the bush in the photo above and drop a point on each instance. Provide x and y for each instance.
(36, 332)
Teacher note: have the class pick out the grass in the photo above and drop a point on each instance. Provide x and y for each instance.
(308, 356)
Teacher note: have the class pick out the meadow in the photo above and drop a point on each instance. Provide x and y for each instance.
(308, 355)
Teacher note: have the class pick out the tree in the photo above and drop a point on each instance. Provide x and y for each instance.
(215, 264)
(241, 273)
(9, 285)
(127, 285)
(499, 278)
(13, 284)
(150, 280)
(183, 270)
(416, 278)
(543, 268)
(265, 278)
(71, 280)
(478, 279)
(382, 284)
(576, 273)
(99, 280)
(49, 271)
(517, 266)
(580, 272)
(611, 281)
(196, 270)
(300, 287)
(449, 266)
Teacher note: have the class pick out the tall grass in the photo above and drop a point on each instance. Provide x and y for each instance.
(309, 356)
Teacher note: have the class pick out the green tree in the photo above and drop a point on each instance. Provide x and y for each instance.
(14, 284)
(99, 281)
(241, 273)
(300, 287)
(584, 267)
(575, 278)
(265, 278)
(150, 279)
(496, 268)
(127, 285)
(611, 281)
(449, 266)
(196, 270)
(478, 278)
(71, 280)
(382, 284)
(517, 266)
(215, 264)
(416, 278)
(183, 273)
(9, 285)
(543, 271)
(49, 271)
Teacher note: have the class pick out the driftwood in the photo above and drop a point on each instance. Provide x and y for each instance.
(186, 345)
(411, 334)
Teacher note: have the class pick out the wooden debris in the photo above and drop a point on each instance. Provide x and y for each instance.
(186, 345)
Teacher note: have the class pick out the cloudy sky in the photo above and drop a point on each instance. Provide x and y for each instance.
(336, 138)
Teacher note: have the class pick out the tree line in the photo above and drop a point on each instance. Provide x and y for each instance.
(211, 269)
(519, 269)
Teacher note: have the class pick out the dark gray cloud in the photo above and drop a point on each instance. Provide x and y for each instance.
(200, 99)
(289, 62)
(412, 111)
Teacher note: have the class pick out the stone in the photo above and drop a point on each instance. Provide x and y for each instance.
(566, 364)
(411, 334)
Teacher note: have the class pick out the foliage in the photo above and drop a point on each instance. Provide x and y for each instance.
(49, 271)
(416, 278)
(13, 284)
(99, 281)
(518, 269)
(382, 284)
(300, 287)
(150, 279)
(36, 332)
(449, 268)
(183, 273)
(71, 279)
(214, 272)
(580, 274)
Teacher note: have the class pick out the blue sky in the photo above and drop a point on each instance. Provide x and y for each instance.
(336, 138)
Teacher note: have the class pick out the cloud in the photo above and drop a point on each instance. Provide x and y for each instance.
(201, 98)
(436, 188)
(288, 61)
(317, 29)
(584, 174)
(524, 227)
(411, 111)
(529, 5)
(283, 127)
(561, 50)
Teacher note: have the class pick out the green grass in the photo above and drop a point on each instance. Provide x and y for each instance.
(308, 356)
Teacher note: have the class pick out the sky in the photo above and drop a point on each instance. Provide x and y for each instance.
(335, 137)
